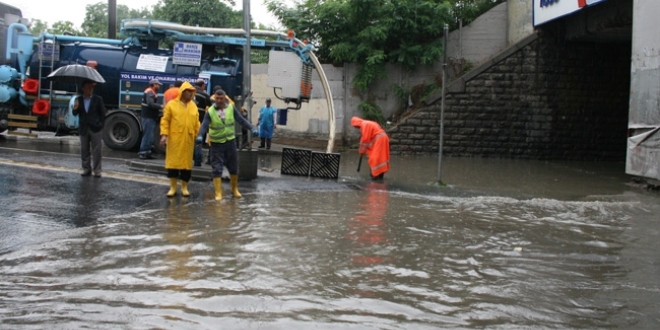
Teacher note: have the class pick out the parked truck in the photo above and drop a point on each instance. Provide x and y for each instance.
(29, 100)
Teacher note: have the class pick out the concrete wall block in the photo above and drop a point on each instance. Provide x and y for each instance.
(414, 121)
(406, 129)
(416, 136)
(404, 142)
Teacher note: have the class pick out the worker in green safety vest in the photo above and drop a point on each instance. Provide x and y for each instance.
(219, 121)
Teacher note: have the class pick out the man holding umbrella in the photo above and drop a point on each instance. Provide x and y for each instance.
(91, 110)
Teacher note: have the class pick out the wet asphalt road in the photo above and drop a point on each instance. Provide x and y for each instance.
(40, 179)
(508, 244)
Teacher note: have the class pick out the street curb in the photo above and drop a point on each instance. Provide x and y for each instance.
(158, 167)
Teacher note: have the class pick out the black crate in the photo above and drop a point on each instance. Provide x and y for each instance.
(296, 161)
(325, 165)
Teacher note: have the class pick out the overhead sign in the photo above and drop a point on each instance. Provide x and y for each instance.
(186, 53)
(548, 10)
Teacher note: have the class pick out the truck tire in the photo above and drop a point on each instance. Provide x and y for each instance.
(121, 132)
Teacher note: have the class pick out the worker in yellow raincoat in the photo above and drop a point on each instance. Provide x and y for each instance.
(178, 130)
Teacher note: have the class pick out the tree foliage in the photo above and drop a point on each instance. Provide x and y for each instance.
(374, 32)
(64, 27)
(37, 27)
(370, 32)
(212, 13)
(96, 18)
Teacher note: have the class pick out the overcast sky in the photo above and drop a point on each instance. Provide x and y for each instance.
(52, 11)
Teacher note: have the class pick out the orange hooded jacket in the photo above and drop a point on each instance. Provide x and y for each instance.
(375, 143)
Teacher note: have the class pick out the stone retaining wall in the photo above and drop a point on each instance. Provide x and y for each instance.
(548, 100)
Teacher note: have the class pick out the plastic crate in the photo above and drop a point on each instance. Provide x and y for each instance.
(296, 161)
(325, 165)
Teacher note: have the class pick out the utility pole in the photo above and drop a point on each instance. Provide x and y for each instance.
(247, 65)
(247, 59)
(442, 102)
(112, 19)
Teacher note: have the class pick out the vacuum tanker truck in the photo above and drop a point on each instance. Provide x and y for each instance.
(28, 100)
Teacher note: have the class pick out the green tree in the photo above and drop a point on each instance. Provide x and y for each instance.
(209, 13)
(373, 32)
(64, 27)
(96, 18)
(37, 27)
(370, 32)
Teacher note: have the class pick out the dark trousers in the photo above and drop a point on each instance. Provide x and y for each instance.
(90, 151)
(183, 175)
(149, 125)
(223, 154)
(265, 143)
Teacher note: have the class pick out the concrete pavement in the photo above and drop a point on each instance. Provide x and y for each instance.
(253, 163)
(248, 163)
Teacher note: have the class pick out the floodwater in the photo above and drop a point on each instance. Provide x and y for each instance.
(504, 245)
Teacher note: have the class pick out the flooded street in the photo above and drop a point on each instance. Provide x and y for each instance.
(507, 244)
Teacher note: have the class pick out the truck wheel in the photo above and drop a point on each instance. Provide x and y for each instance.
(121, 132)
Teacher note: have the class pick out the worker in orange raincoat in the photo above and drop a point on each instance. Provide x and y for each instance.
(375, 143)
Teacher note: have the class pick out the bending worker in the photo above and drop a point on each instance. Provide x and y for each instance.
(219, 121)
(375, 143)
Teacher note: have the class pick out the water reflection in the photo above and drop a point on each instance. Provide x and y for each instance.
(367, 229)
(87, 201)
(178, 260)
(301, 254)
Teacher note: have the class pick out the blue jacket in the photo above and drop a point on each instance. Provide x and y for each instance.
(266, 122)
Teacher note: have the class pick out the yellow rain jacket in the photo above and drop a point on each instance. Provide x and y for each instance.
(180, 122)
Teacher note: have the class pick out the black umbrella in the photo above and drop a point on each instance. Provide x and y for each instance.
(76, 74)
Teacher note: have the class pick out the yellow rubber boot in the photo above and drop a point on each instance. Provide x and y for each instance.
(234, 185)
(184, 189)
(217, 183)
(172, 191)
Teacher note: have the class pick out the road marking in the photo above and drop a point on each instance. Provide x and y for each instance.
(55, 153)
(113, 175)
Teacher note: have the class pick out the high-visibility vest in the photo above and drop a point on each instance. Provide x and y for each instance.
(221, 130)
(145, 102)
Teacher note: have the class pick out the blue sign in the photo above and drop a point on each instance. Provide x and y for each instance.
(164, 79)
(243, 41)
(48, 51)
(186, 53)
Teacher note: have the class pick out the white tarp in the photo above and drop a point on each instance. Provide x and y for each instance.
(643, 153)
